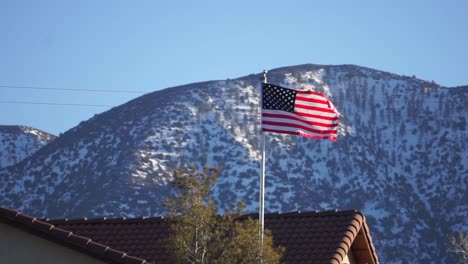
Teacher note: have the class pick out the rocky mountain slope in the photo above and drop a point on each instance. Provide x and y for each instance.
(20, 142)
(400, 157)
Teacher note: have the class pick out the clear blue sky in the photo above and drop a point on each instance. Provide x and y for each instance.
(151, 45)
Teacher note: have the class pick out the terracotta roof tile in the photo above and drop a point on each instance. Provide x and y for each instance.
(59, 234)
(309, 237)
(65, 237)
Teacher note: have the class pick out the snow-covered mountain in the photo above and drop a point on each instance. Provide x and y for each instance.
(20, 142)
(401, 156)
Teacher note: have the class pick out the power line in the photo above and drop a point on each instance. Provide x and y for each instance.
(71, 89)
(55, 104)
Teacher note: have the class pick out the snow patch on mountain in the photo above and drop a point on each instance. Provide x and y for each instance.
(400, 157)
(20, 142)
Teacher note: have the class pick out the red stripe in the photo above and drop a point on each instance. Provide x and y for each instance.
(309, 92)
(316, 116)
(299, 119)
(281, 124)
(332, 138)
(314, 108)
(280, 131)
(312, 100)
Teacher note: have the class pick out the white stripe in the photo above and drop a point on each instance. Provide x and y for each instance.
(312, 104)
(312, 96)
(314, 112)
(306, 119)
(292, 129)
(294, 122)
(316, 104)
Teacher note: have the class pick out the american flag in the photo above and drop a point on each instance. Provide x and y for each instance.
(303, 113)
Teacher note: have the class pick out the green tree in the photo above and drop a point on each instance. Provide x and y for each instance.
(199, 235)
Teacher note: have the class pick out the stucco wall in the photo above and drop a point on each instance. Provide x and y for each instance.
(17, 246)
(349, 258)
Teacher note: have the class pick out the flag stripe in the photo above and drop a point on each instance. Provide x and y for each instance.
(294, 130)
(311, 100)
(314, 108)
(334, 118)
(308, 93)
(307, 121)
(297, 125)
(300, 133)
(306, 116)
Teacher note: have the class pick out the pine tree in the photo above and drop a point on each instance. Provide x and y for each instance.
(199, 235)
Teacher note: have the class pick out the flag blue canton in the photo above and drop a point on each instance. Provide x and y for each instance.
(278, 98)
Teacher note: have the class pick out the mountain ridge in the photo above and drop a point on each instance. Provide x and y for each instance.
(19, 142)
(400, 139)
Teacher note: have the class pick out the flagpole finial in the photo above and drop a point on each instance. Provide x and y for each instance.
(264, 78)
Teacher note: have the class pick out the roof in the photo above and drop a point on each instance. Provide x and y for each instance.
(322, 237)
(309, 237)
(66, 238)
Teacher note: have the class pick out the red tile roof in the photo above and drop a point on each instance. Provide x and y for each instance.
(322, 237)
(66, 238)
(309, 237)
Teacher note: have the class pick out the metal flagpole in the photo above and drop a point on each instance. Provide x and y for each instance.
(261, 212)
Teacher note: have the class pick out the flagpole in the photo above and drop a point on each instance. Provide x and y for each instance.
(261, 209)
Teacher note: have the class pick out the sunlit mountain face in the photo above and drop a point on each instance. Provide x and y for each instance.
(400, 157)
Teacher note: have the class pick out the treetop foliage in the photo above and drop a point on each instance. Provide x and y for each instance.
(199, 235)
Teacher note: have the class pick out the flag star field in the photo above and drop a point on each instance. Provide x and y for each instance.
(278, 98)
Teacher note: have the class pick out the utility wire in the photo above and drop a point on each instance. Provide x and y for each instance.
(64, 89)
(46, 103)
(71, 89)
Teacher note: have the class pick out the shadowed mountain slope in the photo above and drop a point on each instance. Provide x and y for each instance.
(400, 156)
